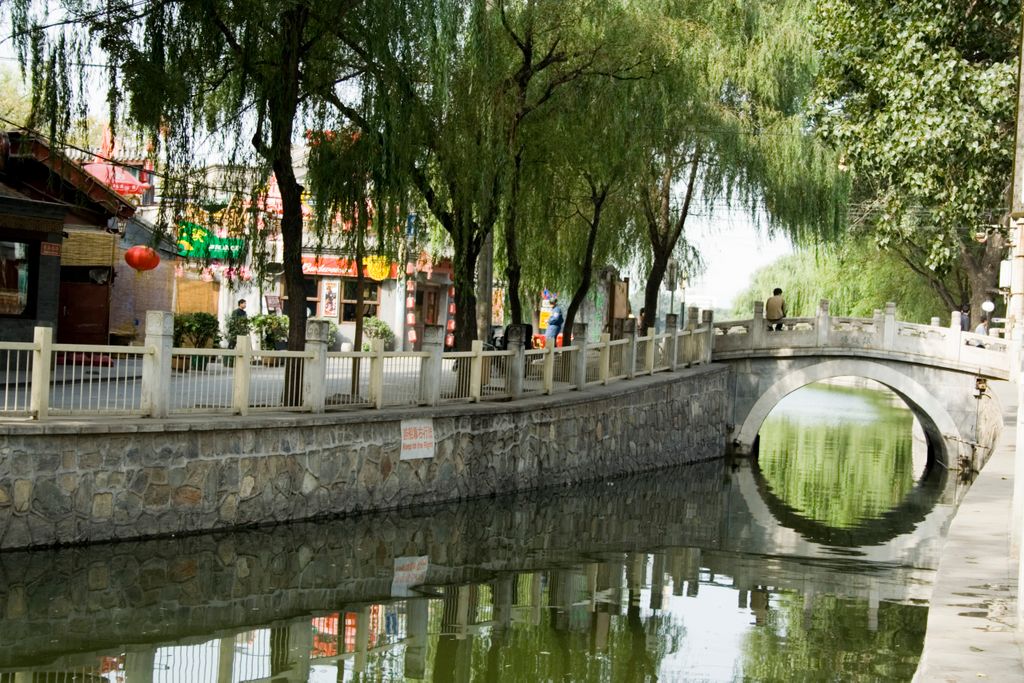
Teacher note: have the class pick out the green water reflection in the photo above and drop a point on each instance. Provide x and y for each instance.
(838, 455)
(679, 575)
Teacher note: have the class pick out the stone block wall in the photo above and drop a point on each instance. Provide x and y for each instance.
(82, 482)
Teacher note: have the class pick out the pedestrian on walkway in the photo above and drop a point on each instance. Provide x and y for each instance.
(965, 317)
(555, 322)
(238, 324)
(775, 310)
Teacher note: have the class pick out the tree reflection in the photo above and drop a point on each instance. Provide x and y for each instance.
(839, 472)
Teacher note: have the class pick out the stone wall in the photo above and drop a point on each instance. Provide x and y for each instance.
(72, 483)
(104, 596)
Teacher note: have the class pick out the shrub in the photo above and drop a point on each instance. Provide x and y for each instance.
(238, 325)
(272, 330)
(197, 330)
(375, 328)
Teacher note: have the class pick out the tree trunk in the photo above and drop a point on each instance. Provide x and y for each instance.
(653, 288)
(983, 273)
(282, 105)
(597, 199)
(513, 271)
(464, 267)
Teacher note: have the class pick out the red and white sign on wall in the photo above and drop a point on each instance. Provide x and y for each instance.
(49, 249)
(417, 439)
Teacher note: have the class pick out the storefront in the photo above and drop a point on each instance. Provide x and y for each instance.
(331, 291)
(429, 300)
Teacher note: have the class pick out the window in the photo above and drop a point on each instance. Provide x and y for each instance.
(371, 299)
(18, 262)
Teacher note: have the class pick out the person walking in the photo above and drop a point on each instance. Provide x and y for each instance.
(555, 322)
(965, 318)
(775, 310)
(238, 323)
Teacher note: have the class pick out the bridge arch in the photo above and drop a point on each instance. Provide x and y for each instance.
(943, 434)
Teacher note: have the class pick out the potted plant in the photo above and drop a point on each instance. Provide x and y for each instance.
(375, 328)
(272, 331)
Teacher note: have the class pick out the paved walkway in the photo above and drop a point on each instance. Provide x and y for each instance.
(972, 624)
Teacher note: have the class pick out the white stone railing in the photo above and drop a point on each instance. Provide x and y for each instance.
(41, 379)
(880, 333)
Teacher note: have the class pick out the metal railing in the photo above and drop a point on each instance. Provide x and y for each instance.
(40, 378)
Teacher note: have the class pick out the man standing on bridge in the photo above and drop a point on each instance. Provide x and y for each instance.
(775, 310)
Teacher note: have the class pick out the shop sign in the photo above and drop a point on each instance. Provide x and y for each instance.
(198, 242)
(409, 572)
(374, 267)
(49, 249)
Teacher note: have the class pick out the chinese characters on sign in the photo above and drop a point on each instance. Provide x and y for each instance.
(417, 439)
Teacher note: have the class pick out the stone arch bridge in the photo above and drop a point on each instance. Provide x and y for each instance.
(940, 372)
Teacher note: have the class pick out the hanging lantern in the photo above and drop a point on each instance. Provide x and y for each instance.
(142, 258)
(451, 308)
(410, 285)
(410, 318)
(451, 292)
(410, 302)
(449, 339)
(451, 325)
(412, 336)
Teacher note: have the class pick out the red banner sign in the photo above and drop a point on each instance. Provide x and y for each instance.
(336, 266)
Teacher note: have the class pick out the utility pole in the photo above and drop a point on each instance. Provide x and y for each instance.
(1015, 308)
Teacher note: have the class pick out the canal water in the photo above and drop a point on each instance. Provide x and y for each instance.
(813, 562)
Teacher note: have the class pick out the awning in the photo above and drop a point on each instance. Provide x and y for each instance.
(117, 179)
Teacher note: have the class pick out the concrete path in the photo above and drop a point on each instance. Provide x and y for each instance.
(972, 624)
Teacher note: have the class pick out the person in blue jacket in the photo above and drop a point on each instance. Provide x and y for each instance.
(555, 322)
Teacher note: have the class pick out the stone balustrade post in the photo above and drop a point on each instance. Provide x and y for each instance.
(314, 370)
(934, 322)
(476, 367)
(515, 336)
(758, 329)
(42, 357)
(156, 366)
(889, 326)
(548, 376)
(672, 343)
(606, 358)
(953, 339)
(690, 341)
(377, 373)
(823, 324)
(579, 340)
(242, 376)
(430, 370)
(708, 321)
(629, 350)
(649, 352)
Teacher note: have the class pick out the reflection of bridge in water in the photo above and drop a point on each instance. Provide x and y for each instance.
(289, 590)
(940, 372)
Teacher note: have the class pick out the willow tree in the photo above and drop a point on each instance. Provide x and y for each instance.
(576, 204)
(186, 71)
(919, 98)
(722, 123)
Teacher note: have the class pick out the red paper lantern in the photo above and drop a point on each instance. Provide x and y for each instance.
(142, 258)
(412, 336)
(451, 325)
(449, 340)
(410, 318)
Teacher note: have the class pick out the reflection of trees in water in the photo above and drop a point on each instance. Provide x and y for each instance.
(833, 641)
(839, 473)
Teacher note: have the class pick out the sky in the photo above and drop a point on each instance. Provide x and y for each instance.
(732, 247)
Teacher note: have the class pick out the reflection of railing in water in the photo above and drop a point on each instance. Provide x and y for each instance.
(238, 582)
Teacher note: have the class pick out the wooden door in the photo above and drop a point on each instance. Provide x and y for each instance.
(84, 313)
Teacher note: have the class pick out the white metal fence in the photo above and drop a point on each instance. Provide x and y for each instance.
(41, 379)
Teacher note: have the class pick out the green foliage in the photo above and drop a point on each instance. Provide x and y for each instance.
(238, 325)
(375, 328)
(856, 277)
(918, 98)
(271, 329)
(196, 330)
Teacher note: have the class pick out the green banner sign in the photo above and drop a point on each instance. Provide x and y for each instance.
(198, 242)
